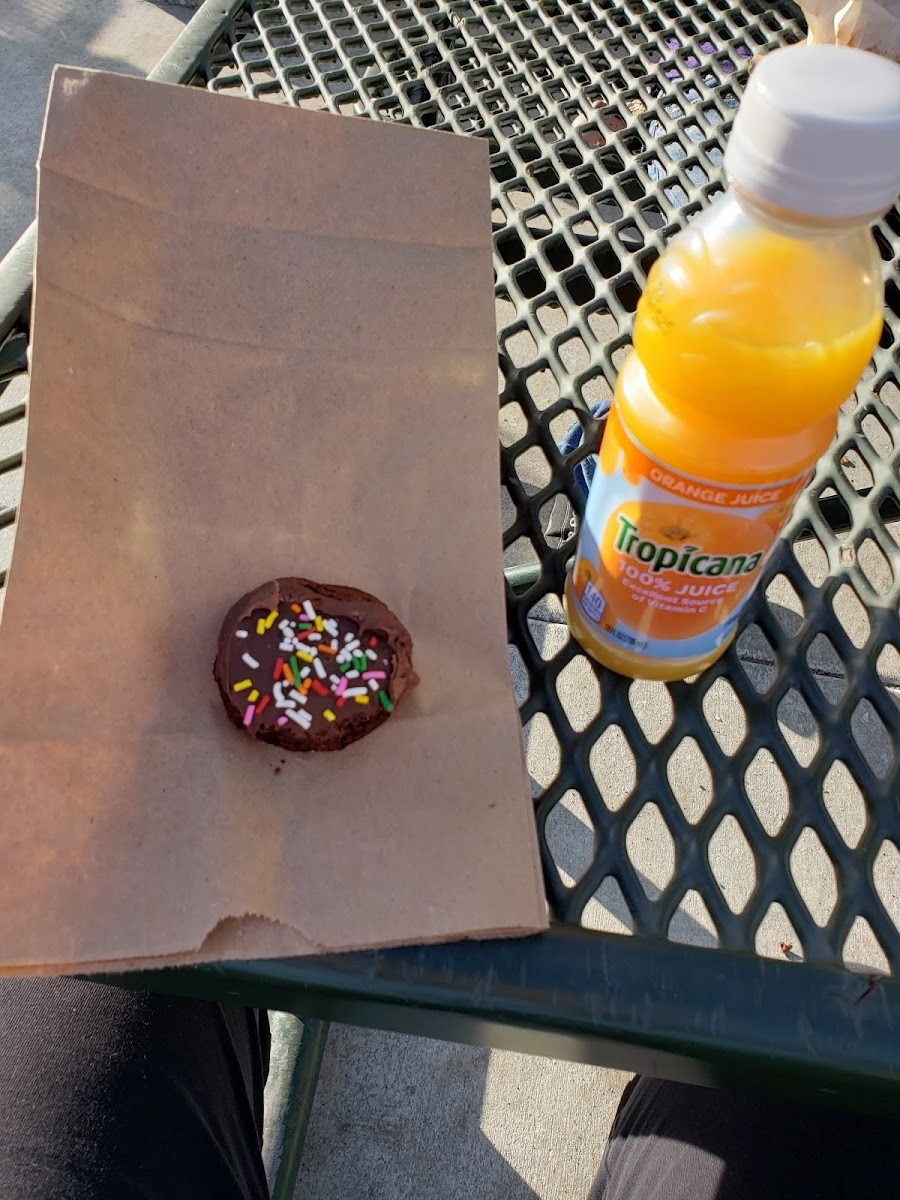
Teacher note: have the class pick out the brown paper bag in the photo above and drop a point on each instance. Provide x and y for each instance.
(263, 345)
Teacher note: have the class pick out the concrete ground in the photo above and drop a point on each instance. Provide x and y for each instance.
(401, 1118)
(397, 1116)
(128, 36)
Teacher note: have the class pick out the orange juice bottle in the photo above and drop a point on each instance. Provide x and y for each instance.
(754, 328)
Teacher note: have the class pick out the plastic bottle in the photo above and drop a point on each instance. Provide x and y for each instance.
(754, 328)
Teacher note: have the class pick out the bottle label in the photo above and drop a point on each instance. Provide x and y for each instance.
(665, 562)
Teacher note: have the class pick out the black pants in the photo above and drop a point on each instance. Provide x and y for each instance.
(672, 1141)
(107, 1094)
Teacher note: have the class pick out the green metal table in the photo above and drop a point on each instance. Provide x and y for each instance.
(752, 812)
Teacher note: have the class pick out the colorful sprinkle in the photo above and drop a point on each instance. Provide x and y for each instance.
(308, 666)
(241, 633)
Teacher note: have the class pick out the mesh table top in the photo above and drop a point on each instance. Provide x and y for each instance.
(753, 809)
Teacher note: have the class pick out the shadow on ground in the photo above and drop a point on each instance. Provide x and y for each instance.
(571, 843)
(401, 1131)
(408, 1118)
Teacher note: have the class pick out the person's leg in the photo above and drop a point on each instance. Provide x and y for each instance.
(673, 1141)
(107, 1094)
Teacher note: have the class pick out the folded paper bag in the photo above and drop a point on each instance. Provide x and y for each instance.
(263, 345)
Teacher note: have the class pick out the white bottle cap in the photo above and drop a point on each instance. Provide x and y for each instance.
(818, 132)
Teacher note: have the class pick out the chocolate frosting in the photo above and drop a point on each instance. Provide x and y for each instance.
(310, 666)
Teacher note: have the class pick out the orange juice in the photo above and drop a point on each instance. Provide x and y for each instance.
(755, 326)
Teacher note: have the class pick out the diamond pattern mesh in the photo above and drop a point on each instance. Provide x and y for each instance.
(754, 808)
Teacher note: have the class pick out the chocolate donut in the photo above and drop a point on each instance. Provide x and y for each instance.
(311, 666)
